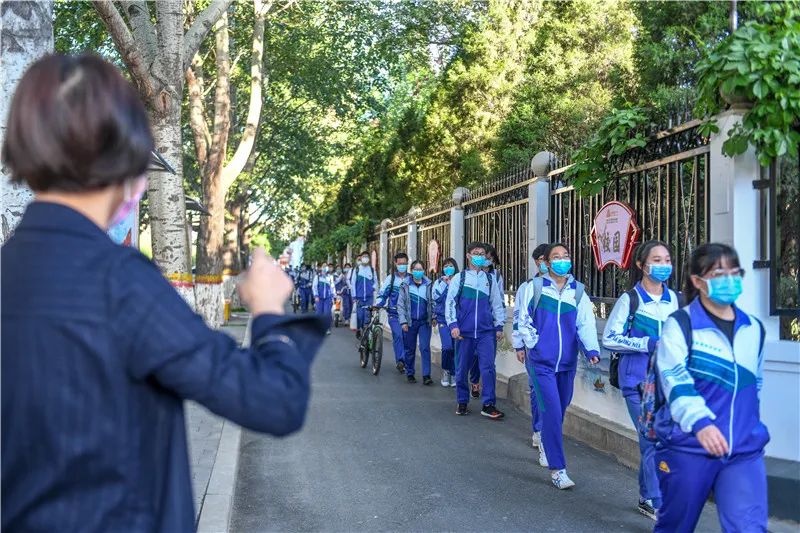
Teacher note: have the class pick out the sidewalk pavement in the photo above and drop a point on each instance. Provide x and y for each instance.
(214, 454)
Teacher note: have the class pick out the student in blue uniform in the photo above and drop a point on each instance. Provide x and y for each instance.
(415, 312)
(449, 269)
(304, 280)
(343, 291)
(710, 363)
(387, 297)
(324, 287)
(556, 320)
(632, 330)
(362, 288)
(519, 347)
(475, 316)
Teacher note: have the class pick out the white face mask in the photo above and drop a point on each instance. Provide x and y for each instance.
(365, 260)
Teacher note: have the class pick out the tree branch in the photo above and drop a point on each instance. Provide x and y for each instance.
(144, 32)
(127, 46)
(200, 28)
(248, 138)
(222, 97)
(197, 114)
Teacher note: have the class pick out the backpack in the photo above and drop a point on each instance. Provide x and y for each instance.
(613, 366)
(461, 280)
(652, 396)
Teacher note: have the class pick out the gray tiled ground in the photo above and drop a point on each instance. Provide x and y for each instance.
(204, 430)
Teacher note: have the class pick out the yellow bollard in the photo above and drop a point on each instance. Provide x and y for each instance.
(227, 312)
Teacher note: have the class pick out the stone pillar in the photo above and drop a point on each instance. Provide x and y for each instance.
(538, 218)
(457, 229)
(735, 217)
(348, 254)
(383, 253)
(411, 246)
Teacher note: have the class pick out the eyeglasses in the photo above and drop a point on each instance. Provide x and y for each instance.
(558, 257)
(720, 272)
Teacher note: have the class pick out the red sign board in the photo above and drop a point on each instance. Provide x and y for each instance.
(614, 234)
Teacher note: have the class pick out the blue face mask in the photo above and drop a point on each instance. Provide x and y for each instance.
(724, 290)
(478, 260)
(543, 268)
(660, 272)
(449, 271)
(325, 270)
(417, 274)
(402, 268)
(561, 267)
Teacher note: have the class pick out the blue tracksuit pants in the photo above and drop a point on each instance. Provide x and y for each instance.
(324, 306)
(739, 485)
(482, 349)
(418, 330)
(536, 415)
(362, 315)
(648, 480)
(448, 353)
(347, 306)
(555, 391)
(398, 339)
(306, 298)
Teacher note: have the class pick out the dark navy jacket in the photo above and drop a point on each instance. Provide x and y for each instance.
(98, 354)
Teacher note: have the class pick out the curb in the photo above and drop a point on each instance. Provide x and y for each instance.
(215, 513)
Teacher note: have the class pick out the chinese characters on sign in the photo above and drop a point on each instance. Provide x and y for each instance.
(613, 235)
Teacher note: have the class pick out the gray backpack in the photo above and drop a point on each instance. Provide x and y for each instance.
(538, 284)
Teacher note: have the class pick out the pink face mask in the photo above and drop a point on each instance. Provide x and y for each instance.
(132, 193)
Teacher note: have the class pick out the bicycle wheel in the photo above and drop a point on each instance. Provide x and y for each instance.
(377, 349)
(363, 351)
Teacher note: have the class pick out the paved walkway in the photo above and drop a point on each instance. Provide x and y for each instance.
(378, 454)
(213, 455)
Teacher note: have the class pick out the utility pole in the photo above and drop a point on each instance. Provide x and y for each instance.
(734, 17)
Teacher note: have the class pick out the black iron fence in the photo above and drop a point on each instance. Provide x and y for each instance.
(433, 241)
(666, 184)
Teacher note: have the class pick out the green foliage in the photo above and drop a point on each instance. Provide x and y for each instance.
(336, 240)
(594, 162)
(759, 64)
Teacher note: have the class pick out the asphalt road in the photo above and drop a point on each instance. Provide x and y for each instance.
(379, 454)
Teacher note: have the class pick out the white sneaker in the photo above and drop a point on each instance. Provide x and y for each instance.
(536, 440)
(452, 380)
(561, 480)
(542, 457)
(445, 378)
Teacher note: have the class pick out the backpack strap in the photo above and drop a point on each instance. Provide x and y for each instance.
(461, 280)
(538, 284)
(580, 289)
(633, 306)
(685, 322)
(681, 299)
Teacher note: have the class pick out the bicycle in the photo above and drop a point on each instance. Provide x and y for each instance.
(295, 299)
(372, 341)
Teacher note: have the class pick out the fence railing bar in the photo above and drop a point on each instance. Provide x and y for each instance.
(434, 226)
(434, 214)
(498, 208)
(501, 191)
(666, 160)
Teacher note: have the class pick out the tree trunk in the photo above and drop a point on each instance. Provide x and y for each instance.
(27, 35)
(208, 282)
(231, 266)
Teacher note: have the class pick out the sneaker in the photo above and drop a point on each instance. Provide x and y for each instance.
(536, 440)
(476, 390)
(328, 332)
(462, 409)
(426, 380)
(358, 334)
(646, 508)
(452, 380)
(491, 412)
(411, 379)
(561, 480)
(401, 367)
(542, 458)
(445, 378)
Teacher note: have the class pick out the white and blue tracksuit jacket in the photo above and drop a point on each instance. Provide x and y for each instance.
(362, 282)
(478, 309)
(516, 337)
(439, 299)
(415, 302)
(388, 295)
(304, 279)
(559, 326)
(711, 382)
(323, 286)
(637, 344)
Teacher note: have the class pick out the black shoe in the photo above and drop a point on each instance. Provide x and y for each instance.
(491, 412)
(426, 380)
(476, 390)
(462, 409)
(647, 509)
(401, 367)
(358, 334)
(411, 379)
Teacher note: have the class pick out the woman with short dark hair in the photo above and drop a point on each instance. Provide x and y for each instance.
(99, 350)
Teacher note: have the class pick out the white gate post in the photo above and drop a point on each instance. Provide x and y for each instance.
(412, 235)
(538, 207)
(457, 230)
(383, 253)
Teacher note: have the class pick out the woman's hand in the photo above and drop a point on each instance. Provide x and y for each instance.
(594, 360)
(712, 440)
(455, 333)
(521, 356)
(498, 335)
(405, 327)
(265, 287)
